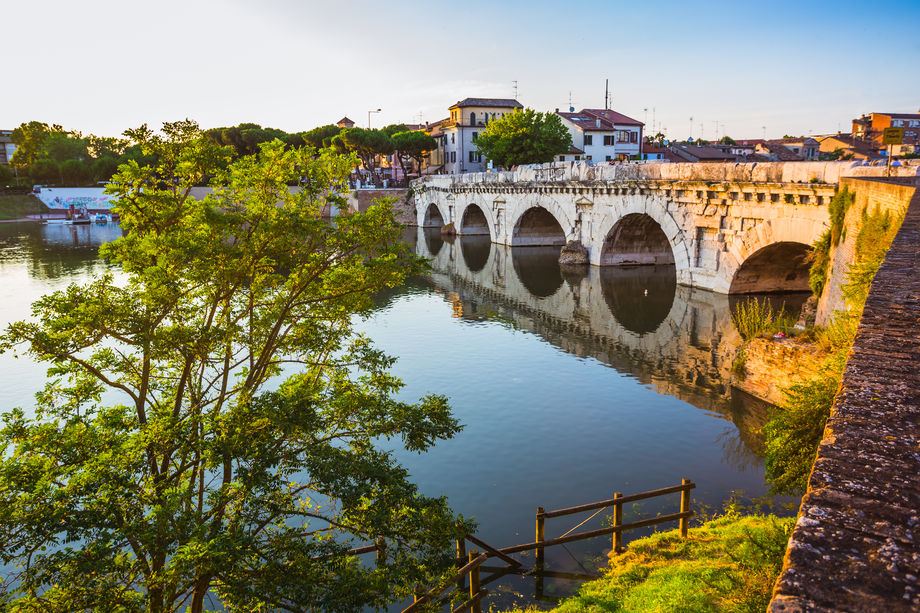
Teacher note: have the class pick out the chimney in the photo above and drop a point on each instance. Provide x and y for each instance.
(598, 122)
(557, 109)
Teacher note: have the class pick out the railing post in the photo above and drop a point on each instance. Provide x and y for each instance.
(461, 556)
(540, 533)
(617, 521)
(476, 607)
(381, 551)
(684, 507)
(538, 562)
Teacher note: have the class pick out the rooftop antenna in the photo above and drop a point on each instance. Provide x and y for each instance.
(653, 121)
(514, 88)
(691, 126)
(606, 93)
(645, 118)
(571, 106)
(764, 128)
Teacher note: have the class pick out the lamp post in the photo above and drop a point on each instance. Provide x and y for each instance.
(369, 118)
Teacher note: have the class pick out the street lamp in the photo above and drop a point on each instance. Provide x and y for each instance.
(369, 118)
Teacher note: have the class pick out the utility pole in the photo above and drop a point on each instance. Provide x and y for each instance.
(691, 127)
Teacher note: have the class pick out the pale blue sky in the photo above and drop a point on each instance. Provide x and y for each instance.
(794, 67)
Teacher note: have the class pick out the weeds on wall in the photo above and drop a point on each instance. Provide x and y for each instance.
(796, 428)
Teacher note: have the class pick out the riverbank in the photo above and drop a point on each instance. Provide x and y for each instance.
(20, 207)
(728, 564)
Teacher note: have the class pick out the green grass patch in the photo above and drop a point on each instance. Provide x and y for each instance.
(728, 564)
(18, 206)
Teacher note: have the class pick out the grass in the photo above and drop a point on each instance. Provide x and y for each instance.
(728, 564)
(18, 206)
(755, 318)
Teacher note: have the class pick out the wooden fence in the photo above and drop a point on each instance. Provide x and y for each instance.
(471, 563)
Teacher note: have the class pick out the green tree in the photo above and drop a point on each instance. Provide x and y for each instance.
(29, 139)
(727, 140)
(6, 175)
(656, 140)
(103, 168)
(366, 144)
(413, 145)
(320, 137)
(199, 472)
(524, 137)
(45, 171)
(75, 172)
(63, 146)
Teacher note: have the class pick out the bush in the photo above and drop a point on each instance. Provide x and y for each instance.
(75, 172)
(820, 262)
(837, 208)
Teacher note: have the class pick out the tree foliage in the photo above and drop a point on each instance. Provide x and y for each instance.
(413, 145)
(210, 417)
(321, 137)
(524, 137)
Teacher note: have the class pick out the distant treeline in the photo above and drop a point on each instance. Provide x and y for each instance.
(50, 155)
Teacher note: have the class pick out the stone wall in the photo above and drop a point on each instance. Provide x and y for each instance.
(772, 365)
(856, 544)
(871, 194)
(361, 199)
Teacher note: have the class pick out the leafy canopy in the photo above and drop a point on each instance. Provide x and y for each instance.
(210, 417)
(524, 137)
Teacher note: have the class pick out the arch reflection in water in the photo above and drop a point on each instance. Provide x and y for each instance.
(537, 268)
(475, 250)
(433, 241)
(474, 221)
(640, 298)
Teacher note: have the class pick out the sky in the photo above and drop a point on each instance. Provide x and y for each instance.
(743, 69)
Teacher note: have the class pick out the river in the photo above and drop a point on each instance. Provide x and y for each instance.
(572, 384)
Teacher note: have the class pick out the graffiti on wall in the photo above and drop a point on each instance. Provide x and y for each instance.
(90, 198)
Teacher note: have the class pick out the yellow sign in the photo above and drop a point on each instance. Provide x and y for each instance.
(892, 136)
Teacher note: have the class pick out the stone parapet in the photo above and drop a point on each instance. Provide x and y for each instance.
(772, 365)
(856, 544)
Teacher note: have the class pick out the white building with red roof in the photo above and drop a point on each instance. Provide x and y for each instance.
(604, 134)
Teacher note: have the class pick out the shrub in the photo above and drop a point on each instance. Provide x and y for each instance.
(837, 208)
(820, 262)
(739, 365)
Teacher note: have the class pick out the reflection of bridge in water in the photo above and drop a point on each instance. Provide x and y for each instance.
(677, 339)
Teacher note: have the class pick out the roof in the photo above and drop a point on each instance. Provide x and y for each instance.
(900, 115)
(749, 142)
(598, 120)
(575, 150)
(782, 153)
(700, 153)
(647, 148)
(344, 120)
(613, 117)
(510, 103)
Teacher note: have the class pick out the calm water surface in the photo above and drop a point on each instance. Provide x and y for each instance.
(572, 384)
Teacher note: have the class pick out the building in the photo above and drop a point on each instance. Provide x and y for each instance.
(459, 131)
(869, 128)
(6, 147)
(651, 152)
(848, 147)
(699, 153)
(604, 135)
(574, 154)
(345, 122)
(789, 149)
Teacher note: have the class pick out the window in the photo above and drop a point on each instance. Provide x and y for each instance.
(452, 141)
(588, 139)
(475, 156)
(634, 137)
(606, 158)
(577, 157)
(453, 156)
(472, 119)
(608, 140)
(622, 136)
(561, 158)
(475, 136)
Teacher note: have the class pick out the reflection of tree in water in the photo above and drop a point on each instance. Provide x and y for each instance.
(538, 269)
(475, 250)
(639, 297)
(56, 250)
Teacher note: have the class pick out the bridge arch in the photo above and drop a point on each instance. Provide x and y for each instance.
(771, 257)
(431, 216)
(636, 239)
(538, 226)
(475, 220)
(647, 209)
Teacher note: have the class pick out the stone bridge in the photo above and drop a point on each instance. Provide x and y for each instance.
(729, 228)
